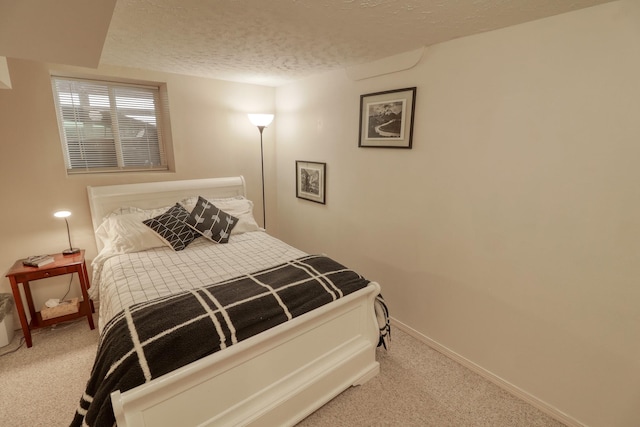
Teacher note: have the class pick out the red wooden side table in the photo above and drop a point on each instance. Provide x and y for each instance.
(62, 264)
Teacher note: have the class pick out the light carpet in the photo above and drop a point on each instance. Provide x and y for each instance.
(42, 385)
(417, 386)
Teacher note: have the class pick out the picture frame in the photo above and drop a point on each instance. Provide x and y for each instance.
(386, 118)
(311, 179)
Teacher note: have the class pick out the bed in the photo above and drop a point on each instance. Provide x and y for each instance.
(175, 349)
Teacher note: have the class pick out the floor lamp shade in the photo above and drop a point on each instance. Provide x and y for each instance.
(262, 121)
(71, 250)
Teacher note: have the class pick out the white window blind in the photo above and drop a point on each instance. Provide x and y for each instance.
(107, 126)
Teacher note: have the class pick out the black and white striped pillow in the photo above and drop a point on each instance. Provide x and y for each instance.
(172, 228)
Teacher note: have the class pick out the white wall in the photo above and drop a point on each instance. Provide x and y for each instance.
(510, 233)
(212, 137)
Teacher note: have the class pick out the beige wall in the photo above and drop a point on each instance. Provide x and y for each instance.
(510, 233)
(212, 137)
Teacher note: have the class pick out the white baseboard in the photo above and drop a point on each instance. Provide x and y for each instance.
(505, 385)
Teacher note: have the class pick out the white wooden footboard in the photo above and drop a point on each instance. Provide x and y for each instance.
(273, 379)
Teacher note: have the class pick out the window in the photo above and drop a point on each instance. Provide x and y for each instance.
(108, 126)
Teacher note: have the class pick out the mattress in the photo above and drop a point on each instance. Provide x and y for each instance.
(121, 280)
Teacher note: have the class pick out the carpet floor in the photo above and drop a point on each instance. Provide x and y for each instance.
(417, 386)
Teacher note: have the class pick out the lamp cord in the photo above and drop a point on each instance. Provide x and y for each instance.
(68, 289)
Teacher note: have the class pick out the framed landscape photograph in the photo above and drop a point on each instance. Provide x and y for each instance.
(386, 118)
(310, 181)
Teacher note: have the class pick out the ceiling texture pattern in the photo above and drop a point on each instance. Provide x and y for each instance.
(271, 42)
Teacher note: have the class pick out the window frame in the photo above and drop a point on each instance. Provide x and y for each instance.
(161, 149)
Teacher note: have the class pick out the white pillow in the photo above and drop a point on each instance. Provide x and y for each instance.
(125, 233)
(122, 230)
(144, 213)
(240, 207)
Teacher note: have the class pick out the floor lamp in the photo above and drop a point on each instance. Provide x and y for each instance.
(262, 121)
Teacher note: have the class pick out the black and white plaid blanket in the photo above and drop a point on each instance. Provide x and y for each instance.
(150, 339)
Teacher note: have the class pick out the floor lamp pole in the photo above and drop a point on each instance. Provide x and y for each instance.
(261, 121)
(264, 212)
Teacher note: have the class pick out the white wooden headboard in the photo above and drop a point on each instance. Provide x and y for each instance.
(105, 199)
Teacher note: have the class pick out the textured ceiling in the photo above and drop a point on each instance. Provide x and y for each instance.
(271, 42)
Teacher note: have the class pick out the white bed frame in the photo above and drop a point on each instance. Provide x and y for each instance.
(275, 378)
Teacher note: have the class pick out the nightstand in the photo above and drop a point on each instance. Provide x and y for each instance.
(62, 264)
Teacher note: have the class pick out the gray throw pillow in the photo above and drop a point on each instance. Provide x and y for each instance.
(211, 222)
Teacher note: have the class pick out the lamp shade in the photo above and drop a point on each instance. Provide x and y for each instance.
(62, 214)
(261, 119)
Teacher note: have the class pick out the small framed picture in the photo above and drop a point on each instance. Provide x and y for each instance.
(386, 118)
(311, 180)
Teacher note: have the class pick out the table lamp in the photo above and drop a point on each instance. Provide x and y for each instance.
(71, 250)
